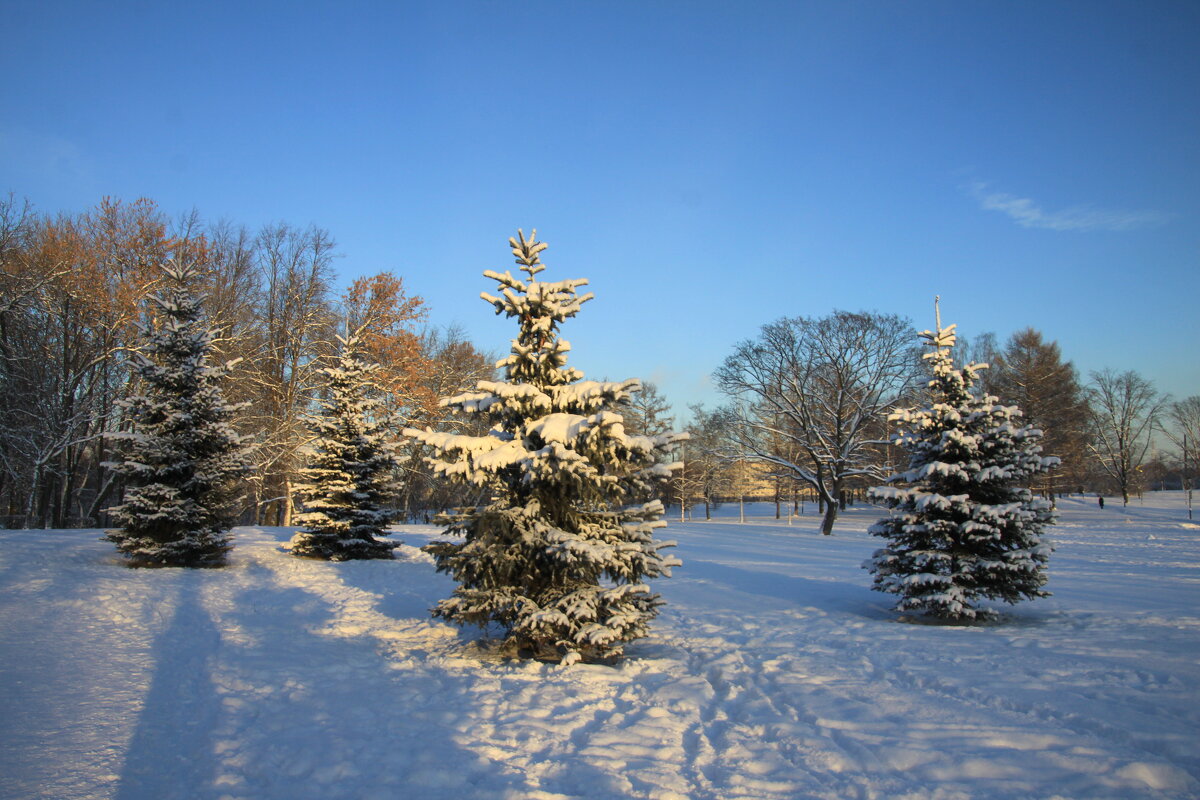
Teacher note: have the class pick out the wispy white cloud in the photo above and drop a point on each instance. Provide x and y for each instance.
(1028, 214)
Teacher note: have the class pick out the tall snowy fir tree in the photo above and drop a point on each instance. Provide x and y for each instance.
(559, 556)
(963, 528)
(182, 459)
(351, 468)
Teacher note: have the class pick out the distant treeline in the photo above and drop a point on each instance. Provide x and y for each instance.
(809, 399)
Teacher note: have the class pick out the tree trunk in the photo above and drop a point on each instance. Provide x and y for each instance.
(831, 512)
(287, 503)
(62, 510)
(35, 485)
(97, 506)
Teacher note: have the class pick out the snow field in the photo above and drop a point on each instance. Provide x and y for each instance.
(773, 672)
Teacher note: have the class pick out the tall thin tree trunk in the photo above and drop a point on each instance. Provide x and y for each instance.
(70, 466)
(287, 502)
(35, 486)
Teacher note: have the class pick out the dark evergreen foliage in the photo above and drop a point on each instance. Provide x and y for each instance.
(182, 458)
(964, 527)
(351, 470)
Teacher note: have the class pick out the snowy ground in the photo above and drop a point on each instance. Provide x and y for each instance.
(774, 672)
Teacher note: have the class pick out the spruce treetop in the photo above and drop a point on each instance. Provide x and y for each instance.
(538, 355)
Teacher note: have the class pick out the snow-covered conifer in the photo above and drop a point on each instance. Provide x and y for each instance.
(182, 458)
(559, 556)
(352, 461)
(963, 527)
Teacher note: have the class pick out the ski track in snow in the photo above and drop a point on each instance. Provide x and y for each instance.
(773, 672)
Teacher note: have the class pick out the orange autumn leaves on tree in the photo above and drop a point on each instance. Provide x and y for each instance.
(72, 298)
(71, 292)
(96, 269)
(383, 314)
(98, 266)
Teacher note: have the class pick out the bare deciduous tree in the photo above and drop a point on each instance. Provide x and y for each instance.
(1184, 433)
(712, 471)
(71, 288)
(811, 397)
(295, 327)
(648, 413)
(1184, 416)
(1125, 408)
(380, 312)
(454, 365)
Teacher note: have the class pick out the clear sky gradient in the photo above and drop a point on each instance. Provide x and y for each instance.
(709, 166)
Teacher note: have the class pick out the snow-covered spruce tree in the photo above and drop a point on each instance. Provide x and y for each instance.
(559, 555)
(964, 528)
(351, 466)
(182, 459)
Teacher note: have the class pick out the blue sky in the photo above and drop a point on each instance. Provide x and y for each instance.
(709, 166)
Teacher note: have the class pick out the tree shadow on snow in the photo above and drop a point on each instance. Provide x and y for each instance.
(279, 709)
(320, 709)
(170, 752)
(480, 704)
(829, 596)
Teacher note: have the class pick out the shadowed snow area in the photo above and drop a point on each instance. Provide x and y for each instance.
(773, 672)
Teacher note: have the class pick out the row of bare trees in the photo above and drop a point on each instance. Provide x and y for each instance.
(71, 300)
(809, 400)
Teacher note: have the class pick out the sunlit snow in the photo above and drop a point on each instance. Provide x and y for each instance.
(773, 672)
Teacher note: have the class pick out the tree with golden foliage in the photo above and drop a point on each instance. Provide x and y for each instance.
(384, 314)
(69, 304)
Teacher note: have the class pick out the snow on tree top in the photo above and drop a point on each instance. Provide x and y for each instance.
(941, 340)
(539, 305)
(527, 250)
(555, 300)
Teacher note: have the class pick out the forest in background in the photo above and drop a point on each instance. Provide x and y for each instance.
(807, 415)
(72, 300)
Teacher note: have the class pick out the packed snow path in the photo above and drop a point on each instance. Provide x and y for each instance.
(774, 672)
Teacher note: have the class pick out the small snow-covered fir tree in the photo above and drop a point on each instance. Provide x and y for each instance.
(351, 468)
(559, 556)
(963, 528)
(182, 459)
